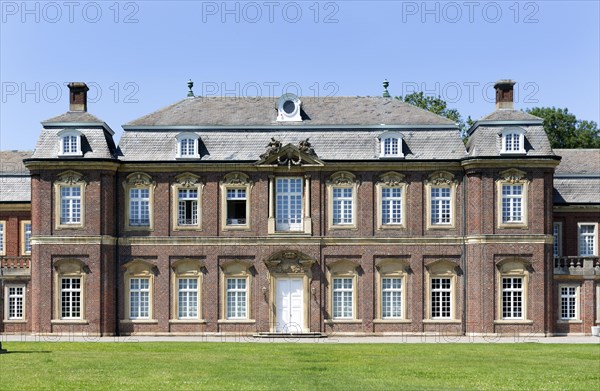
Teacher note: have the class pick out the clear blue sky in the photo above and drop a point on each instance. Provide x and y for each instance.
(137, 56)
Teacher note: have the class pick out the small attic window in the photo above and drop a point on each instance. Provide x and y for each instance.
(187, 145)
(288, 108)
(513, 141)
(391, 145)
(70, 143)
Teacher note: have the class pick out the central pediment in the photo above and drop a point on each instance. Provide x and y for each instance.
(289, 155)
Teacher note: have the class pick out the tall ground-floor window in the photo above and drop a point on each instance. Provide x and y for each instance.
(441, 298)
(342, 298)
(70, 298)
(139, 298)
(236, 298)
(15, 295)
(512, 298)
(187, 297)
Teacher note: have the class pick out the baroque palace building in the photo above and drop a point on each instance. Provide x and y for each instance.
(358, 215)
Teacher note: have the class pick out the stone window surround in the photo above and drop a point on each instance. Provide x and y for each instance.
(347, 180)
(186, 181)
(139, 180)
(441, 179)
(69, 268)
(7, 286)
(441, 269)
(68, 133)
(139, 268)
(23, 237)
(186, 268)
(391, 268)
(236, 269)
(343, 268)
(510, 268)
(235, 180)
(69, 179)
(306, 219)
(512, 177)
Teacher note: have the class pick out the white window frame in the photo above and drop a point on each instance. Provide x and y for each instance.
(138, 269)
(235, 181)
(446, 270)
(512, 297)
(593, 235)
(344, 307)
(512, 268)
(25, 237)
(395, 181)
(69, 269)
(570, 301)
(512, 177)
(239, 295)
(190, 269)
(15, 300)
(343, 270)
(391, 137)
(236, 270)
(139, 181)
(435, 181)
(342, 180)
(284, 214)
(187, 139)
(71, 180)
(343, 205)
(396, 269)
(70, 135)
(137, 311)
(557, 235)
(2, 237)
(187, 182)
(73, 295)
(509, 137)
(441, 298)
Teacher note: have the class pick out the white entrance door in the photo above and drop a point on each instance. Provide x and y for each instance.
(289, 305)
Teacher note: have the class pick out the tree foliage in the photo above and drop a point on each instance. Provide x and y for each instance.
(565, 130)
(437, 106)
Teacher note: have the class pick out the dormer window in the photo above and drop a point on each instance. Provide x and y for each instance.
(187, 145)
(288, 108)
(391, 145)
(70, 143)
(513, 141)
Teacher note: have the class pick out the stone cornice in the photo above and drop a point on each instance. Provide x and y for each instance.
(74, 240)
(522, 163)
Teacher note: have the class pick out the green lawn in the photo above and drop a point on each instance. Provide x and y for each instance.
(295, 366)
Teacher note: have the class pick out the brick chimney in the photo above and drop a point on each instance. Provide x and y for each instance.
(504, 94)
(78, 96)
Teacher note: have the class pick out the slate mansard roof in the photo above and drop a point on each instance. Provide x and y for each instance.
(340, 128)
(577, 178)
(97, 141)
(15, 182)
(485, 136)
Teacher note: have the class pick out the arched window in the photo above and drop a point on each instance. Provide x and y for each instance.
(391, 145)
(187, 145)
(513, 140)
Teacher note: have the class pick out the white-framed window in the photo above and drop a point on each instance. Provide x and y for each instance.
(512, 203)
(343, 294)
(15, 302)
(342, 299)
(391, 145)
(139, 291)
(236, 284)
(139, 211)
(513, 141)
(391, 298)
(187, 298)
(441, 298)
(512, 188)
(70, 200)
(139, 298)
(235, 201)
(70, 298)
(289, 202)
(569, 302)
(26, 237)
(187, 145)
(237, 298)
(187, 207)
(441, 205)
(342, 189)
(391, 280)
(187, 290)
(557, 234)
(70, 143)
(187, 202)
(70, 205)
(391, 205)
(236, 206)
(587, 238)
(343, 206)
(441, 291)
(512, 298)
(139, 207)
(512, 282)
(2, 237)
(440, 192)
(69, 294)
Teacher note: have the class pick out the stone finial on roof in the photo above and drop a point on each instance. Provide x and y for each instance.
(190, 84)
(386, 94)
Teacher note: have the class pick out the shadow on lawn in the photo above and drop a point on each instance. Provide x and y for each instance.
(26, 351)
